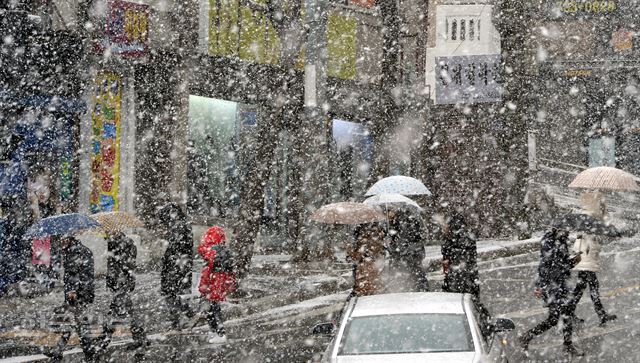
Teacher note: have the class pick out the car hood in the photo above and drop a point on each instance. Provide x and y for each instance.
(449, 357)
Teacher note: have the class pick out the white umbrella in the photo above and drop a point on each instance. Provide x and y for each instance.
(392, 199)
(398, 184)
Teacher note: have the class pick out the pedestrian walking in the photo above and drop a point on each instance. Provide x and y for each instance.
(366, 255)
(588, 246)
(177, 262)
(121, 282)
(406, 249)
(217, 279)
(551, 284)
(78, 265)
(460, 264)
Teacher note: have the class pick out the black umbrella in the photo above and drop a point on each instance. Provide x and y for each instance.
(585, 223)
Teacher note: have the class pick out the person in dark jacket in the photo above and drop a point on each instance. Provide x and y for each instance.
(553, 271)
(460, 265)
(177, 261)
(406, 248)
(78, 265)
(121, 281)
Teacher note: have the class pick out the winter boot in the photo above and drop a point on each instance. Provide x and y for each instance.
(607, 318)
(524, 343)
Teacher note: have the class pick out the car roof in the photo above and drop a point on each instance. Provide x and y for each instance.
(409, 303)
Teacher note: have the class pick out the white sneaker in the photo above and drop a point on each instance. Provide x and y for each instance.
(214, 338)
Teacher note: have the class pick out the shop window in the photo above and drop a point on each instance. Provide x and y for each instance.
(602, 151)
(214, 165)
(353, 157)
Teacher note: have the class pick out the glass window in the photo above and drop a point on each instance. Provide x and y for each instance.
(463, 29)
(407, 333)
(602, 151)
(353, 144)
(472, 30)
(213, 161)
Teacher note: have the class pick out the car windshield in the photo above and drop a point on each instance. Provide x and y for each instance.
(408, 333)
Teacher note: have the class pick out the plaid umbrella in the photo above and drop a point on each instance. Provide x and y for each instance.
(348, 213)
(605, 178)
(398, 184)
(117, 221)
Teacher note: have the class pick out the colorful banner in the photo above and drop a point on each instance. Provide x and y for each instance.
(105, 152)
(127, 29)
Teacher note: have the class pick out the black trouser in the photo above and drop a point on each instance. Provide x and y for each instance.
(556, 310)
(122, 307)
(589, 278)
(214, 317)
(176, 306)
(82, 328)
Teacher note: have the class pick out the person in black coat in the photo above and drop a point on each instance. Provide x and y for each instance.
(460, 264)
(121, 281)
(553, 271)
(78, 265)
(177, 261)
(407, 248)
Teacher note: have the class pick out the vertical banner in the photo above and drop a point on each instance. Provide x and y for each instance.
(105, 148)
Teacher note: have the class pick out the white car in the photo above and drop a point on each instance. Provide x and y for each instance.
(415, 327)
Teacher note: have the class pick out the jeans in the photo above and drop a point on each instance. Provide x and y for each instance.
(214, 317)
(176, 306)
(556, 311)
(82, 328)
(122, 307)
(588, 278)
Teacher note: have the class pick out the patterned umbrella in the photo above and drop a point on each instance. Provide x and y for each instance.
(605, 178)
(62, 224)
(398, 184)
(348, 213)
(117, 221)
(392, 200)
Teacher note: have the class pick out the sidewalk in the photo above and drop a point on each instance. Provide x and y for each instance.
(274, 290)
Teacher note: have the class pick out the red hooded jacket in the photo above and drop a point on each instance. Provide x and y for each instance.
(214, 286)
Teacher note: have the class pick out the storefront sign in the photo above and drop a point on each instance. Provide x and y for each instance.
(468, 79)
(584, 7)
(578, 72)
(622, 40)
(105, 153)
(127, 27)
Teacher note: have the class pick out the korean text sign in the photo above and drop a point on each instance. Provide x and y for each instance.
(468, 79)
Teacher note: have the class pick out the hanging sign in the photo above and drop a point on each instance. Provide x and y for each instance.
(468, 79)
(127, 29)
(105, 150)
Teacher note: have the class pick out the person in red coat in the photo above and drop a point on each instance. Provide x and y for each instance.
(218, 278)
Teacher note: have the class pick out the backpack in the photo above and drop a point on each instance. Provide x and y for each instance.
(223, 260)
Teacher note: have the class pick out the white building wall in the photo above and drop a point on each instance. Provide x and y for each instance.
(486, 39)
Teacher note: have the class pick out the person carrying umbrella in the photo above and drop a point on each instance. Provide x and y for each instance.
(460, 264)
(551, 284)
(406, 248)
(177, 261)
(365, 254)
(78, 265)
(121, 281)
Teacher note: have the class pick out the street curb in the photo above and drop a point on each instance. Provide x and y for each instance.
(434, 264)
